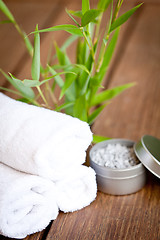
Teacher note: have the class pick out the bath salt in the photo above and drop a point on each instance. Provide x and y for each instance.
(115, 156)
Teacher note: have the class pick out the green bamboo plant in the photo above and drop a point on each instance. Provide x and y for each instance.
(81, 84)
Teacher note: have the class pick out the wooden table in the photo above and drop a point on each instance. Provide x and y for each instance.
(131, 115)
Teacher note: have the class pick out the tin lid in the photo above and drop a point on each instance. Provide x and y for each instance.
(148, 152)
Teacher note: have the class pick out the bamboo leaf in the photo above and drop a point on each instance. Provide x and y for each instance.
(82, 67)
(30, 83)
(110, 21)
(84, 77)
(109, 94)
(66, 27)
(6, 11)
(81, 52)
(64, 106)
(95, 114)
(36, 83)
(25, 91)
(80, 108)
(107, 57)
(10, 90)
(97, 139)
(72, 18)
(35, 70)
(5, 21)
(103, 4)
(60, 83)
(28, 44)
(123, 18)
(85, 6)
(85, 86)
(76, 13)
(68, 81)
(68, 42)
(89, 16)
(58, 79)
(25, 100)
(62, 57)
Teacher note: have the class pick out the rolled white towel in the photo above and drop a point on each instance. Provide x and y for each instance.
(77, 190)
(27, 203)
(41, 141)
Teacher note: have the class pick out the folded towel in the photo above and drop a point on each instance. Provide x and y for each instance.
(77, 190)
(40, 141)
(27, 203)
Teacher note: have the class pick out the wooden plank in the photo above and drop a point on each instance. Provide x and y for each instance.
(136, 112)
(133, 216)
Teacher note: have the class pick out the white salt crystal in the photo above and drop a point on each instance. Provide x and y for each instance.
(115, 156)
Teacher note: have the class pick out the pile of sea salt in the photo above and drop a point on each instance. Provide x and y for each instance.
(115, 156)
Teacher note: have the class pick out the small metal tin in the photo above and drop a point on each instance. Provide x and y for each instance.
(118, 181)
(148, 152)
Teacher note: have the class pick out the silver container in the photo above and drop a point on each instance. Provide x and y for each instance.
(118, 181)
(147, 151)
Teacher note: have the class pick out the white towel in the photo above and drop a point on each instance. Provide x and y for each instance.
(77, 190)
(40, 141)
(27, 203)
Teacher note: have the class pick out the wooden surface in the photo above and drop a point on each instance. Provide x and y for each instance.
(135, 113)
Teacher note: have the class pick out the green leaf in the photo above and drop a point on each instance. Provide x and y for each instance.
(6, 11)
(72, 18)
(66, 27)
(85, 86)
(10, 90)
(95, 114)
(36, 83)
(76, 13)
(97, 139)
(107, 57)
(5, 21)
(64, 106)
(109, 94)
(80, 108)
(36, 56)
(94, 82)
(28, 43)
(82, 67)
(30, 83)
(110, 21)
(105, 41)
(85, 6)
(123, 18)
(103, 4)
(81, 52)
(60, 83)
(84, 77)
(62, 57)
(90, 16)
(58, 79)
(68, 81)
(68, 42)
(25, 100)
(18, 84)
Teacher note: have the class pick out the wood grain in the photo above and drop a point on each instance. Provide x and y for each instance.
(134, 216)
(134, 113)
